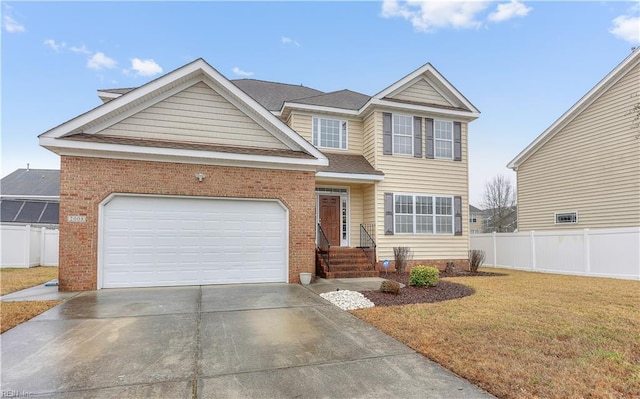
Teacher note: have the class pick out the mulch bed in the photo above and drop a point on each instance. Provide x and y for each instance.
(443, 291)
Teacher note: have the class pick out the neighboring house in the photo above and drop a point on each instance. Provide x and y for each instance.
(196, 179)
(504, 220)
(476, 220)
(584, 170)
(30, 197)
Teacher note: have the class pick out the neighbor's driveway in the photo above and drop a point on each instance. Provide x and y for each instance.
(264, 340)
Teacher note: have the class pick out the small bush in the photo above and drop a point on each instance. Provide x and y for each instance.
(476, 259)
(390, 286)
(424, 276)
(401, 256)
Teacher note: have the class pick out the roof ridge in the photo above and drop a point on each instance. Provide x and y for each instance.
(280, 83)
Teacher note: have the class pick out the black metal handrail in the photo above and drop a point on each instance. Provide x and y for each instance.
(323, 245)
(367, 244)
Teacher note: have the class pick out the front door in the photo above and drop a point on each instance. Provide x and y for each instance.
(330, 218)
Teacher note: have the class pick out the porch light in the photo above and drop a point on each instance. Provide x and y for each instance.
(200, 176)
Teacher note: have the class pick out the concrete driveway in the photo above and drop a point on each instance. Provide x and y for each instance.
(261, 340)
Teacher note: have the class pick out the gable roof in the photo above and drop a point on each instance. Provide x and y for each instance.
(60, 139)
(465, 108)
(31, 183)
(578, 108)
(474, 209)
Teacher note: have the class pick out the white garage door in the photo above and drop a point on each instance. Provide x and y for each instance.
(168, 241)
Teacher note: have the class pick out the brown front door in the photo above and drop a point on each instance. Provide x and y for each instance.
(330, 218)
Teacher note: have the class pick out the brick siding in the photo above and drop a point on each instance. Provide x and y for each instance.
(85, 182)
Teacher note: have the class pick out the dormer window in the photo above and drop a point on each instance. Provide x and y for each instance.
(329, 133)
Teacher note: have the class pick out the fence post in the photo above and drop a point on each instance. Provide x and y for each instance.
(27, 246)
(43, 237)
(533, 249)
(495, 251)
(587, 251)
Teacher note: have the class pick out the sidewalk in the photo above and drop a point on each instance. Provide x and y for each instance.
(39, 293)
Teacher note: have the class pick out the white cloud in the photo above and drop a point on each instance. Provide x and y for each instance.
(506, 11)
(288, 40)
(53, 45)
(100, 61)
(145, 67)
(627, 27)
(11, 25)
(240, 72)
(428, 16)
(80, 50)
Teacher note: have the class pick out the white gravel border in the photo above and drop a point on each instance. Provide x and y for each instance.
(347, 300)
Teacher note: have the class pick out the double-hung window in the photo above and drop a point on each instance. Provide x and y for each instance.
(443, 136)
(329, 133)
(421, 214)
(402, 134)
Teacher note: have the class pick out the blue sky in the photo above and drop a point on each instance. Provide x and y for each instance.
(522, 64)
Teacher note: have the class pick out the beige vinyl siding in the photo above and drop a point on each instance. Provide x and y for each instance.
(591, 166)
(406, 174)
(197, 114)
(369, 138)
(355, 213)
(301, 122)
(421, 92)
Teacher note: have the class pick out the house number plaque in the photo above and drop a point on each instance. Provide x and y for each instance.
(76, 219)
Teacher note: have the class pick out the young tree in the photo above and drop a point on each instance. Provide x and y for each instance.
(499, 204)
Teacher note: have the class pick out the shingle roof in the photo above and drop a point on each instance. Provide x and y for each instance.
(123, 90)
(31, 182)
(272, 95)
(188, 146)
(349, 163)
(29, 211)
(345, 99)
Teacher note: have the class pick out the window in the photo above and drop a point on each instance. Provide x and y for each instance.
(419, 214)
(329, 133)
(566, 217)
(443, 139)
(402, 134)
(473, 218)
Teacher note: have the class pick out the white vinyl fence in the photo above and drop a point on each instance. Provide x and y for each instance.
(599, 253)
(26, 246)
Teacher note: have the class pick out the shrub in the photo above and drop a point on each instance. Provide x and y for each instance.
(390, 286)
(424, 276)
(401, 256)
(476, 259)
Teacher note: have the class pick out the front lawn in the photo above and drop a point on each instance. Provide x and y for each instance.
(529, 335)
(15, 279)
(14, 313)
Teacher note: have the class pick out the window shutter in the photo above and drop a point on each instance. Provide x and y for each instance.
(387, 143)
(417, 137)
(457, 212)
(457, 141)
(429, 133)
(388, 214)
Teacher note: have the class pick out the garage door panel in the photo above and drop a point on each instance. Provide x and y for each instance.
(156, 241)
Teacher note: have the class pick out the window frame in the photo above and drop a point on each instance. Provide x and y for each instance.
(316, 139)
(393, 134)
(573, 213)
(433, 214)
(436, 139)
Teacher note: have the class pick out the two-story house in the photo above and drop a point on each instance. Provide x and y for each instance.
(584, 170)
(196, 179)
